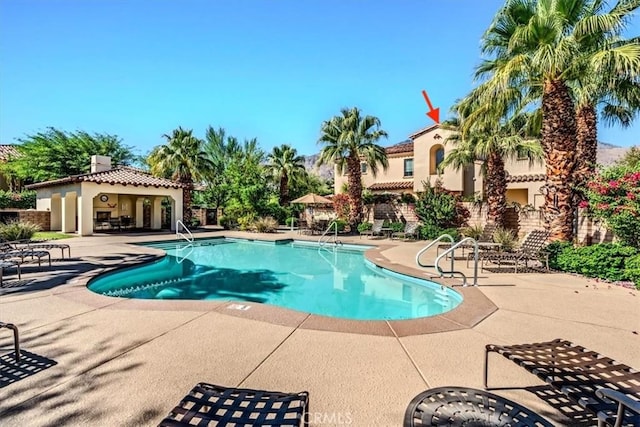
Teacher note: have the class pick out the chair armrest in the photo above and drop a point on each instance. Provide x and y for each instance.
(619, 397)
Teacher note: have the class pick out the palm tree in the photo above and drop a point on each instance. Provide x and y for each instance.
(536, 45)
(481, 137)
(184, 159)
(286, 167)
(348, 140)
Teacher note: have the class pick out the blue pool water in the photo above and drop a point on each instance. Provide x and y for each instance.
(327, 281)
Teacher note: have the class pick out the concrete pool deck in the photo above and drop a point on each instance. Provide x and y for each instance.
(128, 362)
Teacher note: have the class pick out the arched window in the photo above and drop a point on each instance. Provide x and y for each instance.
(436, 157)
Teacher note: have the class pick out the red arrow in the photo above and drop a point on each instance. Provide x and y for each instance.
(434, 113)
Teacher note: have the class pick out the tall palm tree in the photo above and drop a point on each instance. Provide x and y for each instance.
(536, 45)
(286, 166)
(349, 139)
(184, 159)
(479, 137)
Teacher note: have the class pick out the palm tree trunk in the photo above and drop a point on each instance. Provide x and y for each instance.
(496, 188)
(186, 202)
(355, 191)
(559, 145)
(284, 190)
(587, 147)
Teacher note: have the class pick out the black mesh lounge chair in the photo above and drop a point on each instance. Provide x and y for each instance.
(23, 254)
(16, 338)
(212, 405)
(457, 406)
(529, 250)
(603, 386)
(410, 229)
(45, 245)
(376, 229)
(8, 263)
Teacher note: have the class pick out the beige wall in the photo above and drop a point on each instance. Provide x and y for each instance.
(424, 149)
(518, 195)
(395, 173)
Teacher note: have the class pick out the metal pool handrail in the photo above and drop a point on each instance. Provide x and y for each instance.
(335, 238)
(179, 234)
(429, 246)
(452, 272)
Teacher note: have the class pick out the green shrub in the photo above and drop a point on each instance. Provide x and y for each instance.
(407, 198)
(291, 220)
(506, 238)
(17, 230)
(23, 200)
(453, 232)
(228, 222)
(396, 227)
(429, 232)
(604, 261)
(632, 270)
(195, 222)
(439, 209)
(265, 225)
(364, 226)
(245, 222)
(341, 224)
(474, 231)
(554, 250)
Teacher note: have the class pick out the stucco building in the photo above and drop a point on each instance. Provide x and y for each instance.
(108, 198)
(416, 160)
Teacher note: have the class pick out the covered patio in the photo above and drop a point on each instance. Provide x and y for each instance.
(109, 199)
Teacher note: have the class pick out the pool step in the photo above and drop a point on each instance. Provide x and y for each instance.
(121, 292)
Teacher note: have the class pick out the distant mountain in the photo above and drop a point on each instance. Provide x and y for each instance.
(609, 153)
(324, 171)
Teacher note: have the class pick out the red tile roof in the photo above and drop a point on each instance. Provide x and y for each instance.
(8, 150)
(402, 147)
(122, 175)
(526, 178)
(400, 185)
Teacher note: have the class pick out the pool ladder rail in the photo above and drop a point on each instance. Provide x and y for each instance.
(451, 250)
(179, 234)
(326, 237)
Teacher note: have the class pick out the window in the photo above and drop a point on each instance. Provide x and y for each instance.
(363, 167)
(408, 167)
(439, 157)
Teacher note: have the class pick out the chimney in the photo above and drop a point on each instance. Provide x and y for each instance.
(100, 163)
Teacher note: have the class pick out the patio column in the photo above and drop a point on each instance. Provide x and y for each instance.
(85, 215)
(140, 212)
(69, 212)
(156, 213)
(56, 212)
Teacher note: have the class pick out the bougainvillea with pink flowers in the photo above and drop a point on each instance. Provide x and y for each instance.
(613, 196)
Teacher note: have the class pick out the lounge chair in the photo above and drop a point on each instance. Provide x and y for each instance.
(28, 244)
(208, 404)
(410, 229)
(530, 250)
(458, 406)
(16, 338)
(607, 388)
(22, 254)
(376, 229)
(8, 263)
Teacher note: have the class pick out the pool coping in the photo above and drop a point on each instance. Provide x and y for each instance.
(474, 308)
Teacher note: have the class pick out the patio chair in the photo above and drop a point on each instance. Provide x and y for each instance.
(376, 229)
(29, 244)
(8, 263)
(410, 229)
(22, 254)
(16, 339)
(530, 250)
(458, 406)
(208, 404)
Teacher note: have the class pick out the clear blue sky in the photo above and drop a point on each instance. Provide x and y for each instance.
(267, 69)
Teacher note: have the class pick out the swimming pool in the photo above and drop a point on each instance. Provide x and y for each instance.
(336, 282)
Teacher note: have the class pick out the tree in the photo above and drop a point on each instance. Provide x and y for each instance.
(285, 166)
(184, 158)
(54, 154)
(348, 140)
(539, 46)
(491, 141)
